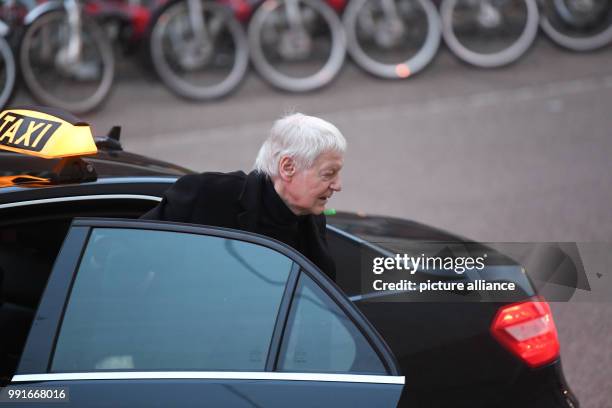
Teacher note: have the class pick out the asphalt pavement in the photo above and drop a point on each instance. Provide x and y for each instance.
(521, 153)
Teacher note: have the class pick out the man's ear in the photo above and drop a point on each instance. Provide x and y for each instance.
(286, 168)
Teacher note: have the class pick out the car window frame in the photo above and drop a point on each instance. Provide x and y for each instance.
(40, 346)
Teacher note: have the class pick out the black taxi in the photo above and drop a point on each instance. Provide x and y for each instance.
(98, 308)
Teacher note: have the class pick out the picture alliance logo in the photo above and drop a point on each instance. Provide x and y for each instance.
(412, 264)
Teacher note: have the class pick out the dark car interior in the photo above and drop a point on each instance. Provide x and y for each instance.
(28, 248)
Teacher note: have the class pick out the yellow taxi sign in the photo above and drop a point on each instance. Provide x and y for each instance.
(42, 134)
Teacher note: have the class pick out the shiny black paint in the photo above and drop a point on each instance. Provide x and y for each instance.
(154, 187)
(445, 349)
(108, 163)
(118, 172)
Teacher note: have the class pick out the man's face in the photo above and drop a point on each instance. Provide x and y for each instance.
(309, 189)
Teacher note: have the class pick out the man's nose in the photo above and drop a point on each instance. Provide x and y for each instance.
(336, 185)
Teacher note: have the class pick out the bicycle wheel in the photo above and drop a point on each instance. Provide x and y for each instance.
(77, 84)
(199, 68)
(578, 25)
(301, 55)
(8, 73)
(394, 43)
(489, 33)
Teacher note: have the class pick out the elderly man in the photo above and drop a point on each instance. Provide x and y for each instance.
(296, 172)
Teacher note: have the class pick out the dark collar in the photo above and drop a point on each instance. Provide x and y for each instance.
(250, 200)
(274, 207)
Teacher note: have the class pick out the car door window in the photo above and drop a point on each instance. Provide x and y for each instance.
(321, 338)
(161, 300)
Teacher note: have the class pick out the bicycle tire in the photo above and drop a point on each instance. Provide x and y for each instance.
(323, 76)
(577, 43)
(10, 73)
(401, 69)
(45, 96)
(501, 58)
(179, 85)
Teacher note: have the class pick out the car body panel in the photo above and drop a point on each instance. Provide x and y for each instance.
(248, 393)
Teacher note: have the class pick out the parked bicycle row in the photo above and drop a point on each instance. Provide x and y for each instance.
(200, 49)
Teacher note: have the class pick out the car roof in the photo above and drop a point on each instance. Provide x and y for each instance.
(107, 163)
(18, 170)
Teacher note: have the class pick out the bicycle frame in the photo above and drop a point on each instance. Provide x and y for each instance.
(4, 29)
(75, 42)
(195, 17)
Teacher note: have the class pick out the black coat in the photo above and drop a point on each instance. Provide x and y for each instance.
(234, 200)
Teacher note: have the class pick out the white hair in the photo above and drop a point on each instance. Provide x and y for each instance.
(300, 137)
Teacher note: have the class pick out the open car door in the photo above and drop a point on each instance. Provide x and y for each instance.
(141, 313)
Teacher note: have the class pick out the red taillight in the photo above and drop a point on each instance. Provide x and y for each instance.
(528, 330)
